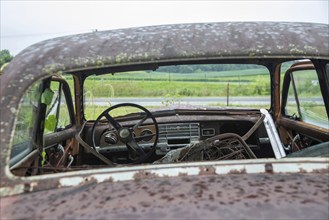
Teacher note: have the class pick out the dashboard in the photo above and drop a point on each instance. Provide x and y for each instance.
(181, 130)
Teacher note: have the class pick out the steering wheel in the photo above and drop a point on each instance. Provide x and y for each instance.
(126, 134)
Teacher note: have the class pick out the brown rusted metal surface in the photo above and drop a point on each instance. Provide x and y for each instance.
(277, 91)
(304, 128)
(233, 196)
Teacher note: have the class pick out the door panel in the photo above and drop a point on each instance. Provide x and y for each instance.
(59, 126)
(45, 129)
(303, 120)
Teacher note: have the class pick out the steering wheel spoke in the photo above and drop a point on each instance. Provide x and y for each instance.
(136, 148)
(113, 122)
(140, 122)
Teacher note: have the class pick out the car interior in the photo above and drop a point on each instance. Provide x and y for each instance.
(171, 113)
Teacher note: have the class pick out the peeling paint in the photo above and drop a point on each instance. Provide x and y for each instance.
(270, 166)
(9, 191)
(70, 181)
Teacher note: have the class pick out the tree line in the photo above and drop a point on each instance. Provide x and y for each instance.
(5, 57)
(207, 68)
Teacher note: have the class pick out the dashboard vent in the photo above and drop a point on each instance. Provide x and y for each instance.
(189, 131)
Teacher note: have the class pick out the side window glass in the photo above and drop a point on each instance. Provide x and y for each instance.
(57, 114)
(64, 115)
(22, 140)
(305, 100)
(291, 107)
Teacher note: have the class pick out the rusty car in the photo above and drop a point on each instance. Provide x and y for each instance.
(189, 121)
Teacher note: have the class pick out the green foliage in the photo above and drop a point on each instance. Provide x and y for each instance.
(262, 86)
(47, 96)
(5, 57)
(185, 92)
(50, 123)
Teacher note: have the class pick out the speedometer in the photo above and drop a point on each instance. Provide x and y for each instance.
(148, 135)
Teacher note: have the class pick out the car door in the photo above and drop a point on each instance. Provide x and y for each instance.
(303, 120)
(59, 126)
(45, 129)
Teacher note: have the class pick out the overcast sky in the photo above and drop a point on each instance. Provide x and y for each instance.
(27, 22)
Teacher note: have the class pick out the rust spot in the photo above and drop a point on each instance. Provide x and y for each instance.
(268, 168)
(168, 198)
(252, 196)
(182, 174)
(242, 171)
(181, 195)
(140, 175)
(307, 201)
(293, 187)
(90, 179)
(126, 186)
(27, 187)
(278, 190)
(301, 170)
(325, 170)
(256, 184)
(110, 179)
(152, 193)
(318, 186)
(164, 183)
(187, 179)
(201, 185)
(145, 204)
(207, 170)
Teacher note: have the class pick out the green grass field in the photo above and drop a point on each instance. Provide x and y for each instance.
(143, 84)
(173, 86)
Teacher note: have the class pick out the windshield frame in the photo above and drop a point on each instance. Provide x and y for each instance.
(178, 99)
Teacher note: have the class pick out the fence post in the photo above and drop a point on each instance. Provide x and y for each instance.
(227, 94)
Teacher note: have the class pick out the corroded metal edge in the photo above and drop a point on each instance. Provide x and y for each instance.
(271, 166)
